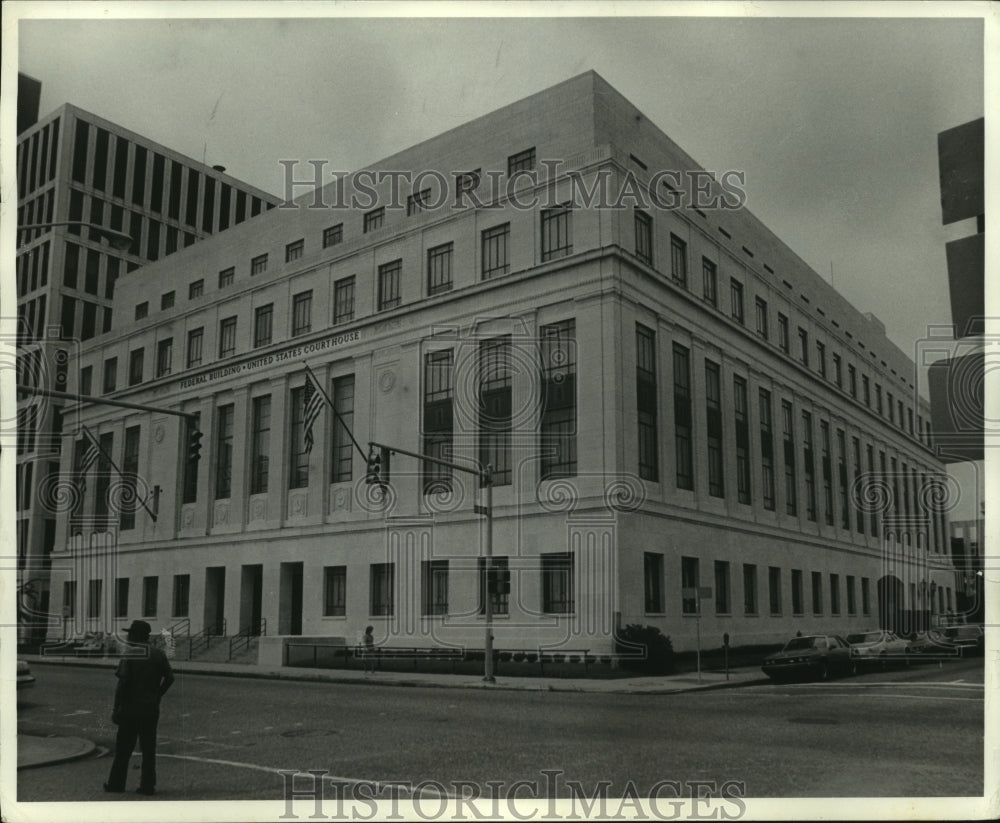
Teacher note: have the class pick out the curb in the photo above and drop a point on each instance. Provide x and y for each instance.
(85, 749)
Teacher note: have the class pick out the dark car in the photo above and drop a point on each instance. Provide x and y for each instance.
(953, 641)
(821, 656)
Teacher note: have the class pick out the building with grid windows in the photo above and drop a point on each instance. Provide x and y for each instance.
(84, 180)
(684, 421)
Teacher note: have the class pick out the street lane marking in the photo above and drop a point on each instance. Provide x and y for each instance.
(271, 770)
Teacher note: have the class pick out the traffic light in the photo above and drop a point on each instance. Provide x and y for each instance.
(194, 444)
(374, 467)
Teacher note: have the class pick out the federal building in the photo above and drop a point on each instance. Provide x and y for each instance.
(688, 427)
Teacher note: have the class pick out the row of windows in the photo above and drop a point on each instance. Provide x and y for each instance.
(129, 171)
(36, 159)
(837, 481)
(32, 269)
(898, 414)
(38, 210)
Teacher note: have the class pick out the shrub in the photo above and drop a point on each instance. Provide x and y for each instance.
(518, 657)
(504, 656)
(645, 649)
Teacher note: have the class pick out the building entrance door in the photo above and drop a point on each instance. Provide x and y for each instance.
(215, 599)
(251, 597)
(290, 599)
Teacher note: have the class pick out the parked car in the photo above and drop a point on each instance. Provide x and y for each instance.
(821, 656)
(969, 639)
(25, 678)
(877, 647)
(954, 641)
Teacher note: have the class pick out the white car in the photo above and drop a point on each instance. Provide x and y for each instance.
(877, 648)
(24, 676)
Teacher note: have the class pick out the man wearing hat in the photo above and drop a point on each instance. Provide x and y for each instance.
(144, 675)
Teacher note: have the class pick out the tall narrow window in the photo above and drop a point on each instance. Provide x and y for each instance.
(263, 325)
(817, 593)
(495, 251)
(489, 585)
(227, 337)
(855, 497)
(388, 284)
(434, 587)
(260, 444)
(774, 589)
(788, 435)
(224, 452)
(522, 161)
(644, 237)
(226, 277)
(709, 281)
(189, 490)
(557, 583)
(333, 235)
(258, 265)
(557, 233)
(558, 423)
(110, 374)
(689, 585)
(298, 469)
(164, 356)
(343, 456)
(852, 603)
(810, 466)
(766, 449)
(834, 594)
(722, 599)
(150, 596)
(826, 462)
(762, 330)
(334, 591)
(495, 408)
(803, 347)
(838, 373)
(845, 512)
(182, 595)
(713, 425)
(866, 597)
(438, 420)
(130, 471)
(798, 592)
(439, 260)
(742, 439)
(293, 251)
(645, 387)
(194, 343)
(821, 358)
(302, 313)
(783, 342)
(343, 300)
(683, 432)
(852, 381)
(135, 362)
(373, 220)
(652, 567)
(750, 588)
(382, 589)
(736, 299)
(678, 261)
(121, 597)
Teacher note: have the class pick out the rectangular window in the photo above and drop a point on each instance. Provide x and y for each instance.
(182, 595)
(94, 598)
(852, 603)
(135, 359)
(434, 587)
(783, 342)
(838, 374)
(417, 201)
(683, 431)
(227, 337)
(260, 444)
(557, 233)
(439, 261)
(262, 325)
(722, 599)
(130, 469)
(892, 418)
(878, 398)
(142, 310)
(766, 449)
(798, 592)
(189, 492)
(490, 585)
(121, 597)
(164, 356)
(226, 277)
(709, 282)
(644, 237)
(333, 235)
(852, 381)
(343, 300)
(298, 473)
(293, 251)
(302, 313)
(224, 452)
(821, 358)
(810, 466)
(736, 298)
(522, 161)
(557, 583)
(652, 566)
(196, 289)
(713, 421)
(742, 439)
(762, 330)
(374, 219)
(750, 588)
(334, 591)
(845, 514)
(194, 342)
(774, 589)
(495, 251)
(258, 265)
(69, 597)
(817, 593)
(689, 585)
(827, 467)
(382, 589)
(495, 408)
(167, 300)
(150, 595)
(678, 261)
(557, 434)
(834, 594)
(788, 435)
(110, 374)
(388, 284)
(646, 403)
(438, 421)
(803, 347)
(342, 460)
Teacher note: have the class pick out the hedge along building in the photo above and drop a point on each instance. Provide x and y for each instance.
(673, 404)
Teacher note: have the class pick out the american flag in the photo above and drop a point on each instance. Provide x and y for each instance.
(89, 459)
(313, 405)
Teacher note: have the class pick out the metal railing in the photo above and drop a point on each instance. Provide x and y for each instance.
(243, 637)
(199, 642)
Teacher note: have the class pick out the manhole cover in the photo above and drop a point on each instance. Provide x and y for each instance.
(308, 733)
(816, 721)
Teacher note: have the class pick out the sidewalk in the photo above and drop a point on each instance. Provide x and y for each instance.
(666, 684)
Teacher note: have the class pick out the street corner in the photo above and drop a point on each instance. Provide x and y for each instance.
(34, 751)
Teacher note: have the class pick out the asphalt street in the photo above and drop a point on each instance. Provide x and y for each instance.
(914, 731)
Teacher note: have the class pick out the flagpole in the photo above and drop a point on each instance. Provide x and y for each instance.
(107, 457)
(329, 402)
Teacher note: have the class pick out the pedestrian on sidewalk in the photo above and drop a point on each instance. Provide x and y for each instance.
(144, 675)
(368, 650)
